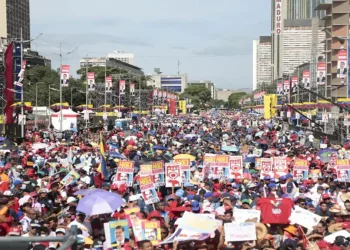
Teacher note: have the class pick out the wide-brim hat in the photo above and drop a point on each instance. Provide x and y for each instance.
(335, 227)
(261, 231)
(345, 196)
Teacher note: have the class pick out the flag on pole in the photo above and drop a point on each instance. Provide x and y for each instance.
(102, 168)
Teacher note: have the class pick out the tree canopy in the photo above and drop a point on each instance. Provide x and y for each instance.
(200, 96)
(234, 98)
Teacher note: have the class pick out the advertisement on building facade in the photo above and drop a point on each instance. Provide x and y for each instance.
(278, 17)
(321, 73)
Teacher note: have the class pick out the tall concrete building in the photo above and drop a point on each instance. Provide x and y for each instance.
(14, 17)
(337, 31)
(286, 17)
(261, 61)
(298, 41)
(121, 56)
(175, 83)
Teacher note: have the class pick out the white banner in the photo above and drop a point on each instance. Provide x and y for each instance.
(304, 218)
(237, 231)
(109, 85)
(242, 215)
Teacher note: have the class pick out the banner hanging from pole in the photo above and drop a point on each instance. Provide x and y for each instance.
(65, 75)
(109, 85)
(91, 81)
(121, 87)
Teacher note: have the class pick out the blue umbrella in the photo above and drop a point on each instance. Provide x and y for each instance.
(230, 148)
(116, 155)
(100, 202)
(158, 147)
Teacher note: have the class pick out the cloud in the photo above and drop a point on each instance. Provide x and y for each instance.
(93, 39)
(224, 50)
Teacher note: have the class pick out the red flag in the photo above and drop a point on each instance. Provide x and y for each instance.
(9, 83)
(303, 237)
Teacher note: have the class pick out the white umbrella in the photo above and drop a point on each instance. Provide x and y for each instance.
(39, 145)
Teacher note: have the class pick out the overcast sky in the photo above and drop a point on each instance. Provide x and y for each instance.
(211, 38)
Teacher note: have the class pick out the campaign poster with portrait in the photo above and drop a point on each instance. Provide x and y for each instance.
(343, 170)
(146, 169)
(151, 232)
(125, 173)
(314, 174)
(132, 89)
(158, 173)
(70, 179)
(109, 85)
(280, 167)
(91, 81)
(185, 169)
(321, 73)
(135, 220)
(266, 168)
(65, 75)
(155, 92)
(306, 79)
(117, 233)
(342, 69)
(294, 84)
(148, 191)
(236, 167)
(222, 163)
(279, 90)
(133, 216)
(209, 164)
(286, 87)
(121, 87)
(300, 169)
(173, 175)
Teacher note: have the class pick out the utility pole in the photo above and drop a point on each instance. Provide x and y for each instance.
(178, 67)
(86, 116)
(22, 103)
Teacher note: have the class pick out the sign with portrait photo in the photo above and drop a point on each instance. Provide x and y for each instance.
(148, 191)
(65, 75)
(117, 233)
(185, 169)
(91, 81)
(70, 179)
(125, 173)
(342, 68)
(158, 173)
(321, 73)
(109, 85)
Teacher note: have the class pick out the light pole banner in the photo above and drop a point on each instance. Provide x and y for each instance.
(132, 88)
(122, 87)
(279, 88)
(321, 73)
(306, 79)
(348, 81)
(109, 84)
(160, 94)
(91, 81)
(294, 84)
(342, 67)
(65, 75)
(164, 94)
(286, 87)
(155, 92)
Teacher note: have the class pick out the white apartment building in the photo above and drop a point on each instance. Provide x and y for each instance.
(261, 61)
(121, 56)
(297, 43)
(175, 83)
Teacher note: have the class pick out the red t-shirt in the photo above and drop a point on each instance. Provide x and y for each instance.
(275, 211)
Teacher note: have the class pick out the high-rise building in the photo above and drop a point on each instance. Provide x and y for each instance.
(289, 12)
(297, 43)
(121, 56)
(336, 27)
(14, 17)
(261, 61)
(175, 83)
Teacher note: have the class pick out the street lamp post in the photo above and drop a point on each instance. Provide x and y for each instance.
(36, 103)
(50, 101)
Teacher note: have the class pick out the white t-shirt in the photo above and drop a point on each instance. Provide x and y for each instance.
(311, 138)
(85, 227)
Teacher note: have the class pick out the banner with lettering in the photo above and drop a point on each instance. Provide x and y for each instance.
(158, 173)
(280, 167)
(125, 173)
(343, 170)
(222, 163)
(240, 231)
(300, 169)
(266, 168)
(185, 169)
(146, 169)
(172, 175)
(148, 191)
(236, 167)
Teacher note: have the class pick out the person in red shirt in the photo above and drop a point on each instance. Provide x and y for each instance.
(275, 211)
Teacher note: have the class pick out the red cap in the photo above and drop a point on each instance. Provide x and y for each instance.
(346, 225)
(15, 231)
(325, 196)
(122, 188)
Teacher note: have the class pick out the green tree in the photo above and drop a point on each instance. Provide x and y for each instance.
(200, 96)
(219, 104)
(234, 98)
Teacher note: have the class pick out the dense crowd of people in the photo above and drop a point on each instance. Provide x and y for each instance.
(259, 185)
